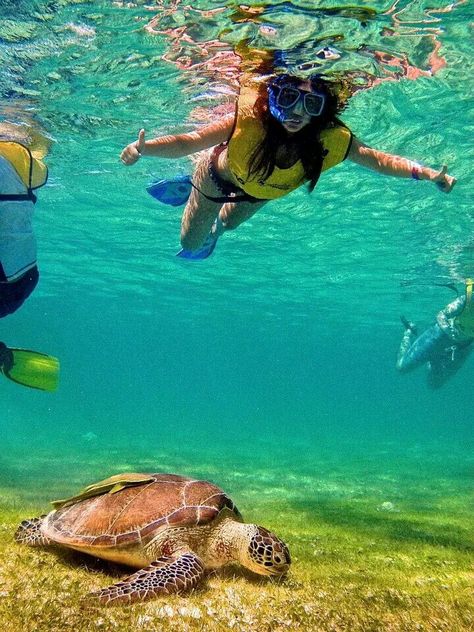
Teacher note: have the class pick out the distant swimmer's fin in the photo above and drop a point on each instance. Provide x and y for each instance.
(203, 252)
(30, 368)
(173, 191)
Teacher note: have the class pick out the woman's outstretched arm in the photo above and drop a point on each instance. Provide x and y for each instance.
(392, 165)
(178, 145)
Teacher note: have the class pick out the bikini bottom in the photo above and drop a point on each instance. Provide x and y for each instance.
(231, 193)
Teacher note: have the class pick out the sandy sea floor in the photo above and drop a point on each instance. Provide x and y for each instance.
(372, 549)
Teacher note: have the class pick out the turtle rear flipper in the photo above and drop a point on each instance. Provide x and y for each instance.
(29, 532)
(167, 575)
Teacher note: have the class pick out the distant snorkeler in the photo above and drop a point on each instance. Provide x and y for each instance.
(285, 133)
(21, 172)
(444, 346)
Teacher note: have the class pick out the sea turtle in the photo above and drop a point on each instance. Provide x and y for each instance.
(171, 527)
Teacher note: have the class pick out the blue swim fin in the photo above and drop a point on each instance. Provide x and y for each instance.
(174, 191)
(203, 252)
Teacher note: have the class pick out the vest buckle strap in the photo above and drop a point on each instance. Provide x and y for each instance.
(18, 197)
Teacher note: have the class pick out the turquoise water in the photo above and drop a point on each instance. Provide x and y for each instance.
(270, 366)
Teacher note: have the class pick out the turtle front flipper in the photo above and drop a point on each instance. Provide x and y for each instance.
(167, 575)
(29, 532)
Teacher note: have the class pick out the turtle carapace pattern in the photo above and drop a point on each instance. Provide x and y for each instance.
(171, 527)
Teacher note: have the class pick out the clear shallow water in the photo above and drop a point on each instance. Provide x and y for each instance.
(277, 354)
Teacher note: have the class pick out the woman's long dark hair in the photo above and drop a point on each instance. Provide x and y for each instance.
(307, 142)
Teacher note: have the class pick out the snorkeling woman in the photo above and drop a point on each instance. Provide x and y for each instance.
(285, 133)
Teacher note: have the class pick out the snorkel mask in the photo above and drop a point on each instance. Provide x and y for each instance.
(283, 96)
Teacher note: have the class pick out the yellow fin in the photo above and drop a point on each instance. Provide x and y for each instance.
(33, 369)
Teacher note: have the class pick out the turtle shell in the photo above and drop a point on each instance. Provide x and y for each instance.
(136, 514)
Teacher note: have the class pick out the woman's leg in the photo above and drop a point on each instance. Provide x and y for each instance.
(414, 353)
(200, 213)
(232, 215)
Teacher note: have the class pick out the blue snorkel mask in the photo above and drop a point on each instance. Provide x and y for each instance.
(283, 96)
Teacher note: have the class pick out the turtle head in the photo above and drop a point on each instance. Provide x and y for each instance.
(265, 553)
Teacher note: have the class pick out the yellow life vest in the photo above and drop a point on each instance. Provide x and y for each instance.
(32, 171)
(248, 134)
(465, 320)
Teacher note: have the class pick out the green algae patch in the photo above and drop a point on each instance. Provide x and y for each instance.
(387, 548)
(353, 570)
(16, 31)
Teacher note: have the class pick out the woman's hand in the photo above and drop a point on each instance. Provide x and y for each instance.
(133, 152)
(392, 165)
(443, 180)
